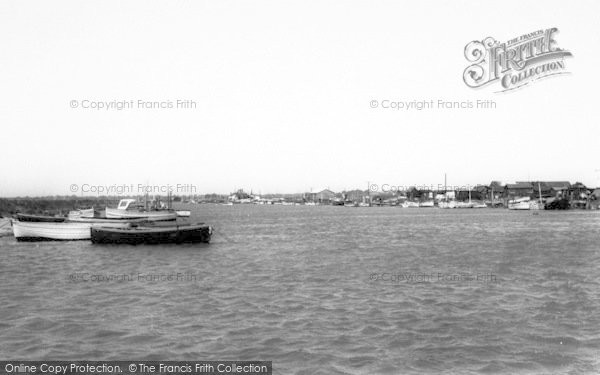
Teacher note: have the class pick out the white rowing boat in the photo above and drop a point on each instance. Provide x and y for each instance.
(67, 231)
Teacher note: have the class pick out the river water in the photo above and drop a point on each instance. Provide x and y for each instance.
(329, 290)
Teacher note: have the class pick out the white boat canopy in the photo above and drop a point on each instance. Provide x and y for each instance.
(124, 203)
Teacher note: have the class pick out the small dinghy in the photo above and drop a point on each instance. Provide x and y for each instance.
(51, 231)
(183, 213)
(137, 235)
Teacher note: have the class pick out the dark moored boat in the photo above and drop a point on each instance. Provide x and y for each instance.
(152, 234)
(40, 219)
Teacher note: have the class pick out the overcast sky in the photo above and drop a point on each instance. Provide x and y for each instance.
(283, 95)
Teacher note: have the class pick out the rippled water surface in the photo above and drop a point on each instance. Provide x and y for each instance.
(330, 290)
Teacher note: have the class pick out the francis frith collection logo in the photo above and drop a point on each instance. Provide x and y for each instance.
(514, 63)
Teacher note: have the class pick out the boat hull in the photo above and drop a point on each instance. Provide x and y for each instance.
(87, 213)
(183, 213)
(100, 221)
(48, 231)
(409, 204)
(447, 204)
(40, 219)
(115, 213)
(519, 206)
(152, 235)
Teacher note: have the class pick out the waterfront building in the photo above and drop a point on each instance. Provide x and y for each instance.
(519, 189)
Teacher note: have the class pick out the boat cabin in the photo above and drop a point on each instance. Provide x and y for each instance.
(125, 203)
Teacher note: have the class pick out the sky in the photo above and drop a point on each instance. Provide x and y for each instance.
(282, 96)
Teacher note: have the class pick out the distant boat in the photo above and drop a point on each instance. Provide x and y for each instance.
(152, 234)
(126, 209)
(427, 204)
(447, 204)
(337, 202)
(52, 231)
(40, 219)
(480, 205)
(183, 213)
(533, 205)
(409, 204)
(104, 220)
(82, 213)
(557, 204)
(519, 204)
(464, 205)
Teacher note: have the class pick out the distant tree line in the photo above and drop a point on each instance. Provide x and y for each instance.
(51, 205)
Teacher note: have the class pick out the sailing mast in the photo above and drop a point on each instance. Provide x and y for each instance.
(445, 185)
(445, 189)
